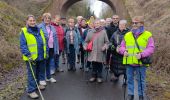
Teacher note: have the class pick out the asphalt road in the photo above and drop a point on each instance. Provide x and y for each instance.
(74, 86)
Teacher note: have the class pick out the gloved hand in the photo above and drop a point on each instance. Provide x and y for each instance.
(126, 53)
(112, 47)
(138, 56)
(31, 61)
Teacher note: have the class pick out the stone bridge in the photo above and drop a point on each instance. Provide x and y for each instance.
(61, 6)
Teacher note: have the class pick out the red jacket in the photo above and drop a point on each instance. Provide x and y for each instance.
(60, 35)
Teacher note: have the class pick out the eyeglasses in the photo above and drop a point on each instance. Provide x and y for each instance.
(47, 18)
(135, 23)
(115, 18)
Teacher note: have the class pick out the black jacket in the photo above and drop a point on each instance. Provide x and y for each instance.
(116, 40)
(111, 29)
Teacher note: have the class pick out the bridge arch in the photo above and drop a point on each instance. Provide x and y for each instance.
(61, 6)
(69, 3)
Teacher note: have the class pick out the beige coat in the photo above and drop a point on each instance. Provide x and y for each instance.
(100, 44)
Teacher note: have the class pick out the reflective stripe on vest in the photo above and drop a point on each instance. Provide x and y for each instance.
(132, 48)
(32, 44)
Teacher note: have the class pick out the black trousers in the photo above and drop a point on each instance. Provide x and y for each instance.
(81, 55)
(97, 68)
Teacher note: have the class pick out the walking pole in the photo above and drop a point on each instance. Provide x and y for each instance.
(125, 85)
(140, 81)
(107, 69)
(42, 98)
(85, 67)
(67, 61)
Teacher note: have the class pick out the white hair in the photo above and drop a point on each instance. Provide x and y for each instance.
(123, 21)
(79, 17)
(102, 20)
(108, 19)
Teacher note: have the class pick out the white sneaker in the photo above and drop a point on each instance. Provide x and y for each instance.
(33, 95)
(52, 80)
(52, 72)
(43, 83)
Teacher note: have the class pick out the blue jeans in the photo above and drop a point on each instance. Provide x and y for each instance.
(141, 76)
(71, 56)
(39, 72)
(50, 64)
(57, 59)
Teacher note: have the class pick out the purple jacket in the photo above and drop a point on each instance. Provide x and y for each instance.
(146, 52)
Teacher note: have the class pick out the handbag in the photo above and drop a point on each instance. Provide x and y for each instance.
(90, 44)
(145, 60)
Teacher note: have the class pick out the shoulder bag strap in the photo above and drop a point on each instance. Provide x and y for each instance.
(136, 42)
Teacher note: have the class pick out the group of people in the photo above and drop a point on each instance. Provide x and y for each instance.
(93, 44)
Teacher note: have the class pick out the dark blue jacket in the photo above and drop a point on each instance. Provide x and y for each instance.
(116, 40)
(77, 39)
(23, 43)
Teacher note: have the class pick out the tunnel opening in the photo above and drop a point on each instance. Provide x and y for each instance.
(105, 7)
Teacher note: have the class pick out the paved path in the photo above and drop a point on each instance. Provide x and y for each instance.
(74, 86)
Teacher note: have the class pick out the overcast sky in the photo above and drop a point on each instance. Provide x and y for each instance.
(96, 6)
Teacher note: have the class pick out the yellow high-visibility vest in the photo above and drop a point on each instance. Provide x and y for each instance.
(32, 44)
(132, 48)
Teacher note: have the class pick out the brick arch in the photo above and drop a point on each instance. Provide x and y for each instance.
(61, 6)
(69, 3)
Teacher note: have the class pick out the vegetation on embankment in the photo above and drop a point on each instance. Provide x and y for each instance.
(12, 71)
(11, 20)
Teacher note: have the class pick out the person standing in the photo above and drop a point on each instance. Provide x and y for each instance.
(73, 41)
(34, 51)
(133, 55)
(97, 55)
(52, 43)
(116, 59)
(87, 31)
(83, 26)
(114, 25)
(64, 25)
(60, 35)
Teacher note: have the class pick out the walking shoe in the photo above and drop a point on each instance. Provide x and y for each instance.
(74, 69)
(59, 70)
(141, 97)
(41, 87)
(52, 80)
(130, 97)
(78, 61)
(43, 83)
(114, 78)
(92, 79)
(69, 69)
(99, 80)
(52, 72)
(86, 69)
(82, 66)
(33, 95)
